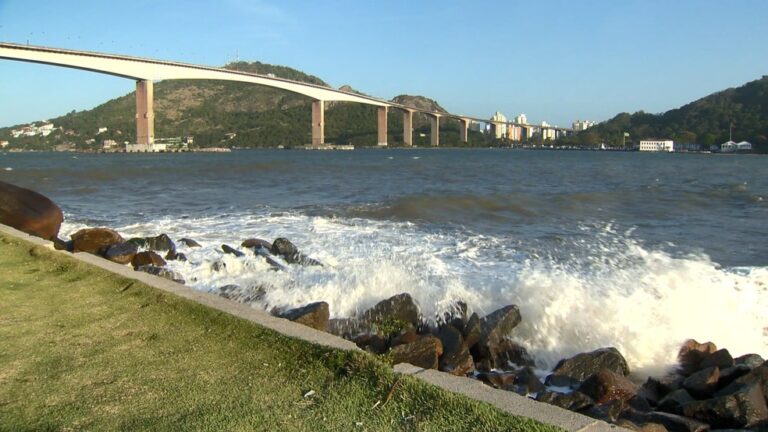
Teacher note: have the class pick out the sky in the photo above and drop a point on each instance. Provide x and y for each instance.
(554, 60)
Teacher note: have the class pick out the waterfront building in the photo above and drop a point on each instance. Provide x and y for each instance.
(499, 125)
(657, 145)
(728, 147)
(521, 119)
(514, 133)
(581, 125)
(547, 133)
(3, 144)
(146, 148)
(744, 146)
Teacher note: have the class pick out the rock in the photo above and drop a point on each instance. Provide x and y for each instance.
(583, 365)
(218, 266)
(94, 240)
(758, 375)
(607, 385)
(242, 295)
(668, 383)
(607, 412)
(673, 402)
(645, 427)
(232, 251)
(472, 331)
(574, 401)
(29, 211)
(457, 316)
(651, 391)
(750, 360)
(121, 253)
(147, 258)
(639, 403)
(456, 358)
(505, 354)
(672, 422)
(692, 353)
(162, 272)
(188, 242)
(172, 255)
(396, 308)
(731, 374)
(255, 243)
(745, 407)
(496, 379)
(554, 380)
(371, 342)
(407, 336)
(160, 243)
(313, 315)
(423, 353)
(526, 382)
(720, 358)
(702, 384)
(499, 324)
(286, 249)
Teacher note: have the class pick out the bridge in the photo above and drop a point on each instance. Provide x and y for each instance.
(145, 71)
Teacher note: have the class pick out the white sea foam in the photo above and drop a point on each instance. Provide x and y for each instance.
(609, 290)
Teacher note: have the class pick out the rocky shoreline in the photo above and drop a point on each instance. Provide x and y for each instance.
(708, 390)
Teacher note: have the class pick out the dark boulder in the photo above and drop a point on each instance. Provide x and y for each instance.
(574, 401)
(161, 272)
(396, 308)
(674, 401)
(29, 211)
(423, 353)
(95, 240)
(731, 374)
(758, 375)
(496, 379)
(457, 316)
(702, 384)
(188, 242)
(583, 365)
(160, 243)
(472, 331)
(232, 251)
(672, 422)
(371, 342)
(526, 382)
(405, 336)
(720, 358)
(607, 385)
(668, 383)
(242, 295)
(172, 255)
(499, 324)
(218, 266)
(313, 315)
(750, 360)
(121, 253)
(691, 355)
(147, 258)
(456, 358)
(554, 380)
(607, 412)
(745, 407)
(256, 243)
(284, 248)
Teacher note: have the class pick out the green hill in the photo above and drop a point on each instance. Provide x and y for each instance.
(220, 113)
(705, 121)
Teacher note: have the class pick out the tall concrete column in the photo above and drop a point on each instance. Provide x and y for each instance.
(145, 112)
(382, 120)
(318, 123)
(408, 128)
(434, 137)
(464, 130)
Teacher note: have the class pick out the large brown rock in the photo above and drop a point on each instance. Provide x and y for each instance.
(607, 385)
(574, 401)
(691, 355)
(256, 243)
(121, 253)
(745, 407)
(702, 384)
(95, 240)
(456, 358)
(583, 365)
(396, 308)
(315, 315)
(424, 353)
(29, 211)
(147, 258)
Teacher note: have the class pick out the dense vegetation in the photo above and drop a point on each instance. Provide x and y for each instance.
(706, 121)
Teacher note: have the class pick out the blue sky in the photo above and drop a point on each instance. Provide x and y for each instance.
(553, 60)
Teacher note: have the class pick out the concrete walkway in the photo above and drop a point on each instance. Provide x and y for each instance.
(504, 400)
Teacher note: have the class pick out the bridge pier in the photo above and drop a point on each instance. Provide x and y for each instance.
(434, 135)
(145, 113)
(408, 128)
(464, 130)
(318, 123)
(382, 121)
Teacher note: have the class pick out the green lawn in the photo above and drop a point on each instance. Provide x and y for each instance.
(82, 348)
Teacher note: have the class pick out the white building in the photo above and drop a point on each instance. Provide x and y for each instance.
(547, 133)
(657, 145)
(581, 125)
(744, 146)
(728, 147)
(102, 130)
(3, 144)
(146, 148)
(521, 119)
(499, 125)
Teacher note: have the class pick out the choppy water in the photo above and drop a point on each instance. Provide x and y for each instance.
(637, 251)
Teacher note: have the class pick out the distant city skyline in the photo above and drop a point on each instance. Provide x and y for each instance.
(555, 61)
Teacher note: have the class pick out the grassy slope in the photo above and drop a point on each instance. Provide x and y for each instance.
(86, 349)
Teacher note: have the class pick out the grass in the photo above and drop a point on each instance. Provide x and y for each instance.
(85, 349)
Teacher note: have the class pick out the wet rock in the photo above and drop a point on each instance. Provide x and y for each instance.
(745, 407)
(424, 353)
(457, 317)
(750, 360)
(607, 385)
(668, 383)
(172, 255)
(702, 384)
(188, 242)
(160, 243)
(526, 382)
(121, 253)
(256, 243)
(645, 427)
(639, 403)
(674, 401)
(505, 354)
(691, 355)
(29, 211)
(554, 380)
(147, 258)
(607, 412)
(406, 336)
(574, 401)
(472, 331)
(371, 342)
(758, 375)
(315, 315)
(456, 358)
(498, 325)
(496, 379)
(242, 295)
(672, 422)
(162, 272)
(95, 240)
(232, 251)
(60, 244)
(651, 391)
(731, 374)
(720, 358)
(396, 308)
(218, 266)
(583, 365)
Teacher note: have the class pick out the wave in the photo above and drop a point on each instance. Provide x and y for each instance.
(582, 292)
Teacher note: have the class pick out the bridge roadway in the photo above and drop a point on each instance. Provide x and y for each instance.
(145, 71)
